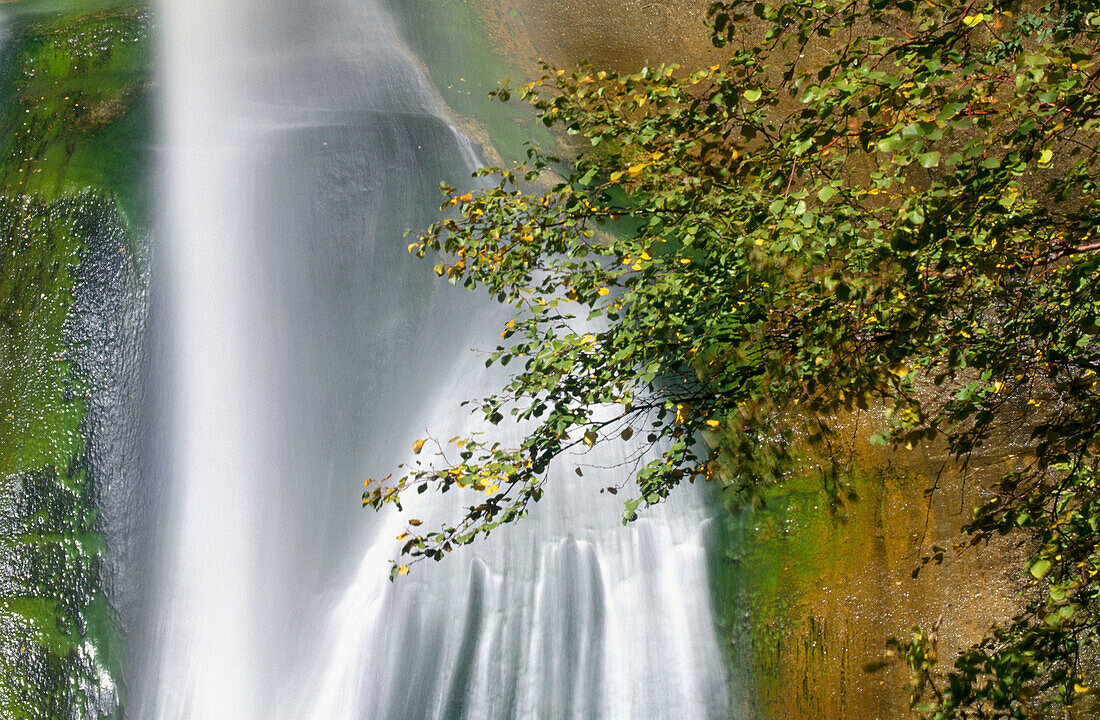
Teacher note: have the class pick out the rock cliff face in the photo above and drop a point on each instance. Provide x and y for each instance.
(618, 34)
(72, 125)
(810, 590)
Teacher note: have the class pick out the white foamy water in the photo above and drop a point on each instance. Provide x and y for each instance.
(306, 349)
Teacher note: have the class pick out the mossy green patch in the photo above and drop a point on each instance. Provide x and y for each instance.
(61, 13)
(71, 136)
(810, 583)
(40, 412)
(71, 122)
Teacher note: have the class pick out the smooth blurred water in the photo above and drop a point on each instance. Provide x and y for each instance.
(298, 348)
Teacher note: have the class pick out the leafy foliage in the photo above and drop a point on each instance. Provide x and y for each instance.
(871, 204)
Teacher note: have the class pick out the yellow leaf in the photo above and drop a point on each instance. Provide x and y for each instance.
(637, 169)
(402, 569)
(713, 423)
(418, 446)
(685, 261)
(412, 246)
(468, 197)
(972, 20)
(491, 489)
(602, 291)
(402, 536)
(414, 522)
(590, 438)
(616, 175)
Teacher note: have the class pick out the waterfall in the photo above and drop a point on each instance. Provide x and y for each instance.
(305, 349)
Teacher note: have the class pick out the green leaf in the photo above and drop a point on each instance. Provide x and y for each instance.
(929, 159)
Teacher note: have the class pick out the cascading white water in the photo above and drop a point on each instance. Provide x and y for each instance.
(570, 615)
(204, 632)
(307, 349)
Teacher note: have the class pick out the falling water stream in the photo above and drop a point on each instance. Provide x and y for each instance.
(302, 349)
